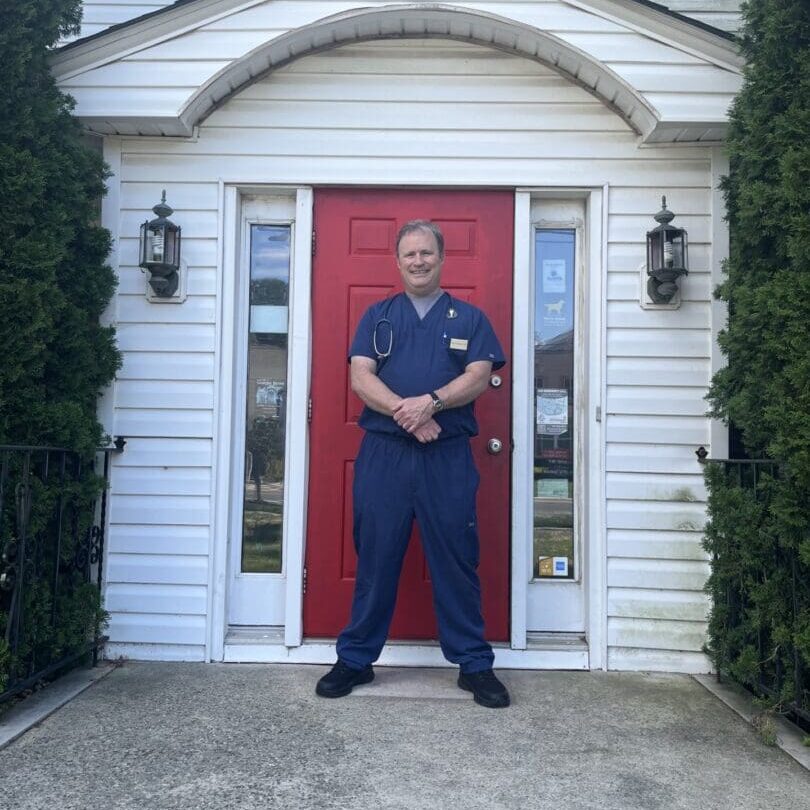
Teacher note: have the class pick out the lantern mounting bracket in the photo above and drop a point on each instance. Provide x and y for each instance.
(645, 300)
(180, 293)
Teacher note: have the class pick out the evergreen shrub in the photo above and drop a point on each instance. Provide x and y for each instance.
(759, 535)
(54, 286)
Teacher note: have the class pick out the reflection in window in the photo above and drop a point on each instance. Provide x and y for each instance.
(554, 404)
(266, 399)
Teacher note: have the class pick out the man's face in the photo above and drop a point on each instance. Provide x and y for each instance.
(419, 263)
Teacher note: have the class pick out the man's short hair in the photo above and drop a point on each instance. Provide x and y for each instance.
(421, 225)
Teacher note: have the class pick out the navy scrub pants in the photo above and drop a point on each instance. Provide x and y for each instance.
(396, 480)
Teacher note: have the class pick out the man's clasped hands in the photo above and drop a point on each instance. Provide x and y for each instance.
(415, 415)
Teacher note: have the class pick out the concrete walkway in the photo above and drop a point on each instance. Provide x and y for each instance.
(155, 736)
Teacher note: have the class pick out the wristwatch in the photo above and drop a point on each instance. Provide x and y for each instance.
(438, 402)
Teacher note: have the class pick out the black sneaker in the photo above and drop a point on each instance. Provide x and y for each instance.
(341, 679)
(486, 688)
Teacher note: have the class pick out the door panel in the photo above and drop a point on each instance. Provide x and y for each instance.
(354, 266)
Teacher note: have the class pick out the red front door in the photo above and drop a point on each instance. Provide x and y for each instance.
(354, 266)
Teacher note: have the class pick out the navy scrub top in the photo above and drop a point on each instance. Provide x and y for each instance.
(426, 354)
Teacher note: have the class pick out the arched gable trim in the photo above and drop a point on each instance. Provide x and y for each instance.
(421, 21)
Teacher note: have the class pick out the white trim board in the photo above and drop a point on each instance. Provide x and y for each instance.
(522, 369)
(297, 450)
(718, 432)
(593, 561)
(228, 214)
(403, 655)
(297, 463)
(111, 220)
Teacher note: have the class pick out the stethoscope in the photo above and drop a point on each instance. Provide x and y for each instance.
(452, 313)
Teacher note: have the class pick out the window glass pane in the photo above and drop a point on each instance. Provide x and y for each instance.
(266, 399)
(554, 404)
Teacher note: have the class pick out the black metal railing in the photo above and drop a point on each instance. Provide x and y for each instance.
(779, 661)
(53, 505)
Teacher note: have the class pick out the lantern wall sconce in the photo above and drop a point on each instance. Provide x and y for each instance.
(667, 258)
(160, 252)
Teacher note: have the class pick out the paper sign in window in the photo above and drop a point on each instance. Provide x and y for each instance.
(552, 411)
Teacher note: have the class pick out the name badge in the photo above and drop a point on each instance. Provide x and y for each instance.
(458, 343)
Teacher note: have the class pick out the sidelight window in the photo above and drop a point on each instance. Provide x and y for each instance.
(554, 403)
(266, 425)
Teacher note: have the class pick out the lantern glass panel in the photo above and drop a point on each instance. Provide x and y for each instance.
(170, 250)
(144, 245)
(655, 250)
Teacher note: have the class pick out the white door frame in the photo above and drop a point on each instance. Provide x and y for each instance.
(590, 377)
(288, 645)
(228, 399)
(253, 598)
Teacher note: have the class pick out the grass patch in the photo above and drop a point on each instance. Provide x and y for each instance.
(765, 726)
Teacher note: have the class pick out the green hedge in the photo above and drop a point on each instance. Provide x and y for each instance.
(765, 388)
(54, 282)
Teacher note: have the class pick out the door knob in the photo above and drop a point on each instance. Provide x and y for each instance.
(494, 446)
(495, 381)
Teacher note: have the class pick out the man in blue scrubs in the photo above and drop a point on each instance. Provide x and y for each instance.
(418, 362)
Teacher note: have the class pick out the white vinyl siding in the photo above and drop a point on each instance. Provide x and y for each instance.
(100, 14)
(722, 14)
(357, 116)
(159, 544)
(155, 82)
(658, 369)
